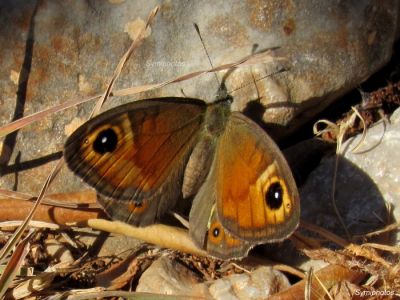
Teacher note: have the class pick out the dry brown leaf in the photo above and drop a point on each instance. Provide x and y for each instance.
(344, 290)
(120, 274)
(327, 255)
(14, 264)
(368, 253)
(329, 276)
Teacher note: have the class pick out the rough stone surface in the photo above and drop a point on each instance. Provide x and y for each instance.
(259, 284)
(167, 277)
(367, 184)
(56, 50)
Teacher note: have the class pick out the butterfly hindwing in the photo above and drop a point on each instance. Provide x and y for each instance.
(256, 196)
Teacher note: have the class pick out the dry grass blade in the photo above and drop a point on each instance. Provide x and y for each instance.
(323, 286)
(263, 57)
(391, 227)
(289, 269)
(49, 199)
(330, 126)
(325, 233)
(158, 234)
(14, 264)
(253, 261)
(392, 249)
(340, 132)
(18, 233)
(37, 224)
(353, 248)
(364, 132)
(307, 288)
(241, 268)
(20, 123)
(181, 220)
(123, 61)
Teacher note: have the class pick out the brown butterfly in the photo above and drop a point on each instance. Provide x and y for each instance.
(144, 156)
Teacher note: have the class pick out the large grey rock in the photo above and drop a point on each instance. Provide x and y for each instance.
(55, 50)
(367, 184)
(168, 277)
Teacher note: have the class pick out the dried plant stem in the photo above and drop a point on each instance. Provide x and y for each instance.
(136, 43)
(323, 286)
(18, 233)
(158, 234)
(340, 131)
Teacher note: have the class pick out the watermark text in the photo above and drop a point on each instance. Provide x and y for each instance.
(376, 293)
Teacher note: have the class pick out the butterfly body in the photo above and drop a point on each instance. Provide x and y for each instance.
(145, 156)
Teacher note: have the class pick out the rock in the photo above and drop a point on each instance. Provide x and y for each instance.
(367, 181)
(168, 277)
(258, 284)
(57, 50)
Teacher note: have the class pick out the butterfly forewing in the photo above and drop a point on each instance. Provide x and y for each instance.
(135, 154)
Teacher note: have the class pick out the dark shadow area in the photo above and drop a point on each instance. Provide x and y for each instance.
(305, 156)
(98, 243)
(17, 162)
(30, 164)
(389, 73)
(10, 140)
(255, 110)
(358, 199)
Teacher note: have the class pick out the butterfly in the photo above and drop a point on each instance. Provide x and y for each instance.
(144, 157)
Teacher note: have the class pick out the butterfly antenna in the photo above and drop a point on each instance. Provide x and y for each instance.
(205, 49)
(253, 51)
